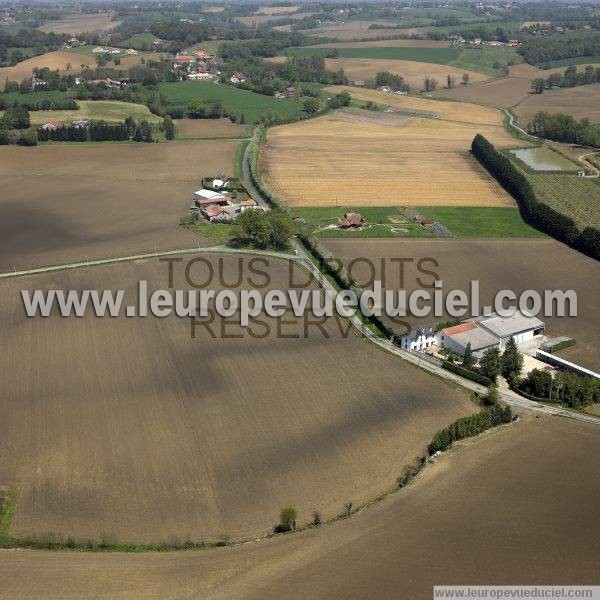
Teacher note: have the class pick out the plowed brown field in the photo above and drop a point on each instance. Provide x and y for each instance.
(128, 426)
(454, 525)
(74, 202)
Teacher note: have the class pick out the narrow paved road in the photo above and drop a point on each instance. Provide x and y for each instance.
(507, 396)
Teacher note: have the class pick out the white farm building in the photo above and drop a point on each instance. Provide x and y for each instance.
(490, 331)
(418, 339)
(482, 333)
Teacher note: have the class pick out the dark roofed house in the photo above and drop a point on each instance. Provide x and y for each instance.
(351, 220)
(427, 222)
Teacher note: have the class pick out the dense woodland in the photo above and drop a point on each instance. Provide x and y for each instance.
(539, 50)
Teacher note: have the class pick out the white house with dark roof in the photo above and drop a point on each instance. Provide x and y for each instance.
(418, 339)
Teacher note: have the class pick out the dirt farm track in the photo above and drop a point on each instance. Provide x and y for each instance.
(515, 265)
(505, 498)
(128, 426)
(62, 204)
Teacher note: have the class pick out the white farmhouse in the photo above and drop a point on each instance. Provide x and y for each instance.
(418, 339)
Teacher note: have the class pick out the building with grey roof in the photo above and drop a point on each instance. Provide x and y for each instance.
(522, 326)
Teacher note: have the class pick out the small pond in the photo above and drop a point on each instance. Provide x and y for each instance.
(544, 159)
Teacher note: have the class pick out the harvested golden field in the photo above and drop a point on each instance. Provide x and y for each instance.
(206, 128)
(129, 426)
(579, 102)
(52, 60)
(63, 203)
(80, 23)
(450, 111)
(516, 265)
(437, 531)
(357, 158)
(361, 69)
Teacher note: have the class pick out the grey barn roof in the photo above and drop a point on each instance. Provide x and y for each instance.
(504, 327)
(478, 337)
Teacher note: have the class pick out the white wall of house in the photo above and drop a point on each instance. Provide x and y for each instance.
(419, 343)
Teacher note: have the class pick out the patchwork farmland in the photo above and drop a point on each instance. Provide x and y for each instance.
(386, 161)
(66, 203)
(203, 437)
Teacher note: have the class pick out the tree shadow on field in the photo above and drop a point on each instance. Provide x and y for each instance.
(29, 231)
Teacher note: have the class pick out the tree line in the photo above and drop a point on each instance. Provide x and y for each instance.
(470, 426)
(567, 388)
(570, 78)
(539, 50)
(95, 131)
(536, 213)
(54, 104)
(564, 128)
(101, 131)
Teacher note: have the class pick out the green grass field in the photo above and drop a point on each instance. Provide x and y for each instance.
(441, 56)
(139, 41)
(578, 60)
(463, 222)
(479, 59)
(483, 58)
(416, 17)
(481, 221)
(210, 46)
(39, 96)
(235, 101)
(377, 222)
(97, 110)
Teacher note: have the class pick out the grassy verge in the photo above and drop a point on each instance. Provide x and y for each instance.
(238, 161)
(463, 222)
(7, 513)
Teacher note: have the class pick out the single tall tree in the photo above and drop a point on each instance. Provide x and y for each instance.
(468, 359)
(490, 363)
(511, 362)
